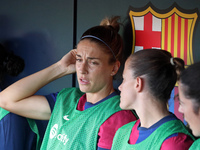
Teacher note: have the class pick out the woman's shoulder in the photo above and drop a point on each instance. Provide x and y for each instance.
(112, 124)
(72, 92)
(178, 141)
(124, 115)
(120, 118)
(195, 145)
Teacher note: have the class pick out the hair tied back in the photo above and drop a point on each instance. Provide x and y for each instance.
(172, 61)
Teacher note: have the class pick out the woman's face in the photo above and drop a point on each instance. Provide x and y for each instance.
(92, 67)
(186, 107)
(127, 89)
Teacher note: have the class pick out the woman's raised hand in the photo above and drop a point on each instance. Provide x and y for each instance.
(68, 61)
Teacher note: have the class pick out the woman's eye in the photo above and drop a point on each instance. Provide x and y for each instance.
(180, 102)
(78, 60)
(94, 63)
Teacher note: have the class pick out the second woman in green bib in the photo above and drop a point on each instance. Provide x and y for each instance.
(148, 79)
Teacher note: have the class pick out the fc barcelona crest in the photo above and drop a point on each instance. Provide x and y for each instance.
(170, 29)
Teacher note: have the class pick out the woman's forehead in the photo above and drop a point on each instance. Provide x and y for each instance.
(91, 49)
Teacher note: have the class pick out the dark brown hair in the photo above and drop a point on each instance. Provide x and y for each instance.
(191, 84)
(107, 31)
(160, 69)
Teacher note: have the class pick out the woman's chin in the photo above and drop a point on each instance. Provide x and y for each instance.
(83, 89)
(122, 106)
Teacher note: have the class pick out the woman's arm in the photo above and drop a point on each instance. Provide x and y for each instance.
(19, 98)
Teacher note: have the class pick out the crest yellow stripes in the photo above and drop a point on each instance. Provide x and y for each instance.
(187, 20)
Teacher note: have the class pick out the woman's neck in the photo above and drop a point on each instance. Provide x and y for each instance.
(96, 97)
(152, 113)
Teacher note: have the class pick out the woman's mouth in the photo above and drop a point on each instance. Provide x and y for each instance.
(83, 81)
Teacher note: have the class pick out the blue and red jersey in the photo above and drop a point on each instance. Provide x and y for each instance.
(178, 141)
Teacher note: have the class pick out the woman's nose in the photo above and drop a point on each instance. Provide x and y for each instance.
(180, 109)
(83, 68)
(120, 87)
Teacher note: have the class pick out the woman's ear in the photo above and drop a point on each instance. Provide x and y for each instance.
(115, 68)
(139, 84)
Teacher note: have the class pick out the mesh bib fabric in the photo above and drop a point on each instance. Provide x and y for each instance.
(34, 128)
(153, 142)
(3, 113)
(73, 129)
(195, 145)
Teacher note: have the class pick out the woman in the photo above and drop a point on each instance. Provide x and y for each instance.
(149, 77)
(86, 117)
(189, 97)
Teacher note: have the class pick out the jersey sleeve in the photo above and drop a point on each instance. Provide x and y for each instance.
(51, 98)
(111, 125)
(179, 142)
